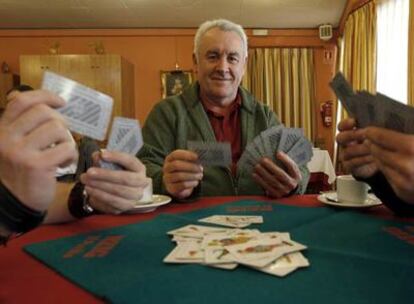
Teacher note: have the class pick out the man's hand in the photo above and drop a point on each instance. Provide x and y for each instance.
(34, 141)
(181, 173)
(393, 153)
(115, 191)
(356, 155)
(276, 181)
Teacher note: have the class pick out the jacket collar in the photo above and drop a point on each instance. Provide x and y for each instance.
(191, 97)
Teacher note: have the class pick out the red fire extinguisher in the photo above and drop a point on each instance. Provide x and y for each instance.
(327, 113)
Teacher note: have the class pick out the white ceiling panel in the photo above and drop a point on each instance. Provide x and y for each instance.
(167, 13)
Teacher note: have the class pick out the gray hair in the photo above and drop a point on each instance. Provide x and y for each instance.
(224, 25)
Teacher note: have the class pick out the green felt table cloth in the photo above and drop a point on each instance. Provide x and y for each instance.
(355, 258)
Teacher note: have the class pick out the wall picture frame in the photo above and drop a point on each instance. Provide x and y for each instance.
(175, 82)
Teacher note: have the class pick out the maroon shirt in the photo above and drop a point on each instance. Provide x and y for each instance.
(226, 126)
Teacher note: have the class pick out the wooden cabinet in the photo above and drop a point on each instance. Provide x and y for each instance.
(109, 74)
(7, 81)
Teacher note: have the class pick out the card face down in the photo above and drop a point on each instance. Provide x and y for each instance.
(212, 153)
(87, 111)
(125, 137)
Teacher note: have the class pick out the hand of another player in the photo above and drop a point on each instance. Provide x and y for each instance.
(115, 191)
(34, 141)
(356, 155)
(393, 153)
(181, 173)
(276, 181)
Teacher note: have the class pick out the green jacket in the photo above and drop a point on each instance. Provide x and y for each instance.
(177, 119)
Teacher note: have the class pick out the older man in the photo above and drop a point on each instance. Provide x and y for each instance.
(215, 108)
(382, 158)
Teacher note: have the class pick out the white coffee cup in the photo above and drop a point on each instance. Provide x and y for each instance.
(349, 190)
(146, 194)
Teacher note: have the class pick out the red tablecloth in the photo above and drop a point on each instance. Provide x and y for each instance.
(25, 280)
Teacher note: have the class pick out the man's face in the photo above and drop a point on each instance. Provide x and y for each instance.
(220, 66)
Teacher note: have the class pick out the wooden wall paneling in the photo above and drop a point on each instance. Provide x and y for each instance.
(101, 72)
(128, 89)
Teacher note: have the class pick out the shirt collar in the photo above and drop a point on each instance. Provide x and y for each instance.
(221, 112)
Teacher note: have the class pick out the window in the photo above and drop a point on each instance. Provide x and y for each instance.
(392, 48)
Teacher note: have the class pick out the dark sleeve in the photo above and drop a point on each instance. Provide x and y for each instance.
(87, 147)
(383, 190)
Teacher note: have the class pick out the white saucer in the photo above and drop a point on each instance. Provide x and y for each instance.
(330, 198)
(157, 200)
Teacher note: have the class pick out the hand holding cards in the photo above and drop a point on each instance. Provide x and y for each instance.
(288, 140)
(87, 111)
(373, 110)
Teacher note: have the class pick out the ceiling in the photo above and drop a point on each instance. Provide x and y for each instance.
(21, 14)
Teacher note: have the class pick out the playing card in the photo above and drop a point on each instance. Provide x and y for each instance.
(246, 162)
(301, 152)
(196, 231)
(396, 116)
(186, 253)
(181, 239)
(365, 108)
(227, 239)
(232, 220)
(125, 137)
(259, 253)
(271, 138)
(285, 264)
(285, 236)
(226, 266)
(212, 153)
(288, 138)
(87, 111)
(343, 91)
(258, 146)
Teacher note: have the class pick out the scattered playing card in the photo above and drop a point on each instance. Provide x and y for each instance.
(270, 252)
(285, 264)
(233, 220)
(87, 111)
(196, 231)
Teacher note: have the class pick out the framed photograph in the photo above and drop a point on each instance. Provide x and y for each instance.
(175, 82)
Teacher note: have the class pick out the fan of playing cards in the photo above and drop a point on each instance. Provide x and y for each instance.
(373, 110)
(270, 252)
(288, 140)
(266, 144)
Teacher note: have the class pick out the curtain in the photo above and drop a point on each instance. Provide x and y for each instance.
(282, 78)
(411, 55)
(392, 42)
(359, 48)
(358, 55)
